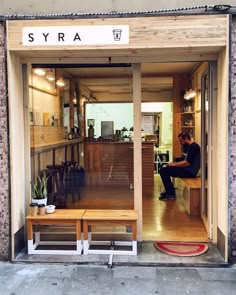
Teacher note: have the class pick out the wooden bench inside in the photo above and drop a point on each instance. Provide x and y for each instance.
(110, 217)
(189, 190)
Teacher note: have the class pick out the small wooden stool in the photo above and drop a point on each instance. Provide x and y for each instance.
(110, 217)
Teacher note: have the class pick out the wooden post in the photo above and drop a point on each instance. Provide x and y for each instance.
(137, 145)
(71, 103)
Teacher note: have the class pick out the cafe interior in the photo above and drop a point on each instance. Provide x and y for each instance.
(82, 132)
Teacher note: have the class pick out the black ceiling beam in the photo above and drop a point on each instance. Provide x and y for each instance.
(82, 66)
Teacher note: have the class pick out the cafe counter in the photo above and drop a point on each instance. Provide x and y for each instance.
(112, 163)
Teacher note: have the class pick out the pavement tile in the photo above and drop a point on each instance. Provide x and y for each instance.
(217, 274)
(41, 286)
(177, 274)
(134, 286)
(91, 280)
(135, 272)
(195, 288)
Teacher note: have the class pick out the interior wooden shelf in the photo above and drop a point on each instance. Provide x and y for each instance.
(187, 113)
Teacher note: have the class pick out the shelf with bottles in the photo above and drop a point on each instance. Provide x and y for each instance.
(188, 115)
(187, 120)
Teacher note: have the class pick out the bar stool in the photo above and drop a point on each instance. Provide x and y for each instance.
(59, 197)
(71, 183)
(59, 168)
(63, 183)
(53, 182)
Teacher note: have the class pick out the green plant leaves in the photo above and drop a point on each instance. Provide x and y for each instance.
(39, 189)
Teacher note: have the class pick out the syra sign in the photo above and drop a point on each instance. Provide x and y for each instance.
(76, 35)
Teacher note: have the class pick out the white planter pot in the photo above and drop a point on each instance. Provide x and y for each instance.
(40, 201)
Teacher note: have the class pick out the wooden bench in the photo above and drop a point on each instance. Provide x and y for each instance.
(60, 217)
(110, 217)
(190, 192)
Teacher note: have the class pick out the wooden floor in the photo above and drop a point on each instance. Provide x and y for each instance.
(162, 220)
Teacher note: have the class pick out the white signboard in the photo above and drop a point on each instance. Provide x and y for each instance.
(76, 35)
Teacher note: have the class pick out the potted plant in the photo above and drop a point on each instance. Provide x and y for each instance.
(39, 190)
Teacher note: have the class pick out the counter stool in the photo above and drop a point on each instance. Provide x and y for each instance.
(53, 182)
(71, 182)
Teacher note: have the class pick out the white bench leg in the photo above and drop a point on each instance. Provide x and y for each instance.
(86, 247)
(79, 246)
(37, 238)
(134, 247)
(30, 247)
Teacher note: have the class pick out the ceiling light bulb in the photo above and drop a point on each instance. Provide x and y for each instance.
(50, 76)
(39, 72)
(60, 82)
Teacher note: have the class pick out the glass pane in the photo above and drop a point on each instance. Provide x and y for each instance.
(84, 146)
(54, 113)
(109, 153)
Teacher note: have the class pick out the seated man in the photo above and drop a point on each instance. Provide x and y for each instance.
(188, 167)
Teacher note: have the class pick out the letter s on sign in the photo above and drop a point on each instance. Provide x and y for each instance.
(31, 37)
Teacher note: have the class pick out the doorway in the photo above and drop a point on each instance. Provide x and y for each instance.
(171, 220)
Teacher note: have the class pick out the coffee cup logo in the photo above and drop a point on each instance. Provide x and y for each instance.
(117, 34)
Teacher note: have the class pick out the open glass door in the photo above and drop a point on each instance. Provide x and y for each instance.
(207, 86)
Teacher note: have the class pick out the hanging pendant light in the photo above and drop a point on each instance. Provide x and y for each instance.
(39, 72)
(190, 94)
(60, 82)
(50, 76)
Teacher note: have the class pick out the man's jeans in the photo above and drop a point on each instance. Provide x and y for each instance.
(167, 172)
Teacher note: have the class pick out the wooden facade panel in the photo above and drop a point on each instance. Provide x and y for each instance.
(145, 33)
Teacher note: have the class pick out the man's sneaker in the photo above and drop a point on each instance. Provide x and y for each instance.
(167, 197)
(162, 194)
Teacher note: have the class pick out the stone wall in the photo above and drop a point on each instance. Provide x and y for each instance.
(232, 150)
(4, 172)
(32, 7)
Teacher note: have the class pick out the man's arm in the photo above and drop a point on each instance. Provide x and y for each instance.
(183, 163)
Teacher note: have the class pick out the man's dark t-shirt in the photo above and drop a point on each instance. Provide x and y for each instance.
(193, 157)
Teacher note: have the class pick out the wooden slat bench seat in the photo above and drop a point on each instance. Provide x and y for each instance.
(111, 218)
(190, 192)
(60, 217)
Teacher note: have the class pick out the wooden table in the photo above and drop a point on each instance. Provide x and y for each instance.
(60, 217)
(110, 217)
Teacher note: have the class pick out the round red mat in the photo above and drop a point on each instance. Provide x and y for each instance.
(181, 248)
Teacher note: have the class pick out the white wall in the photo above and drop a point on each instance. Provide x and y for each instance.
(17, 148)
(41, 102)
(165, 108)
(120, 113)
